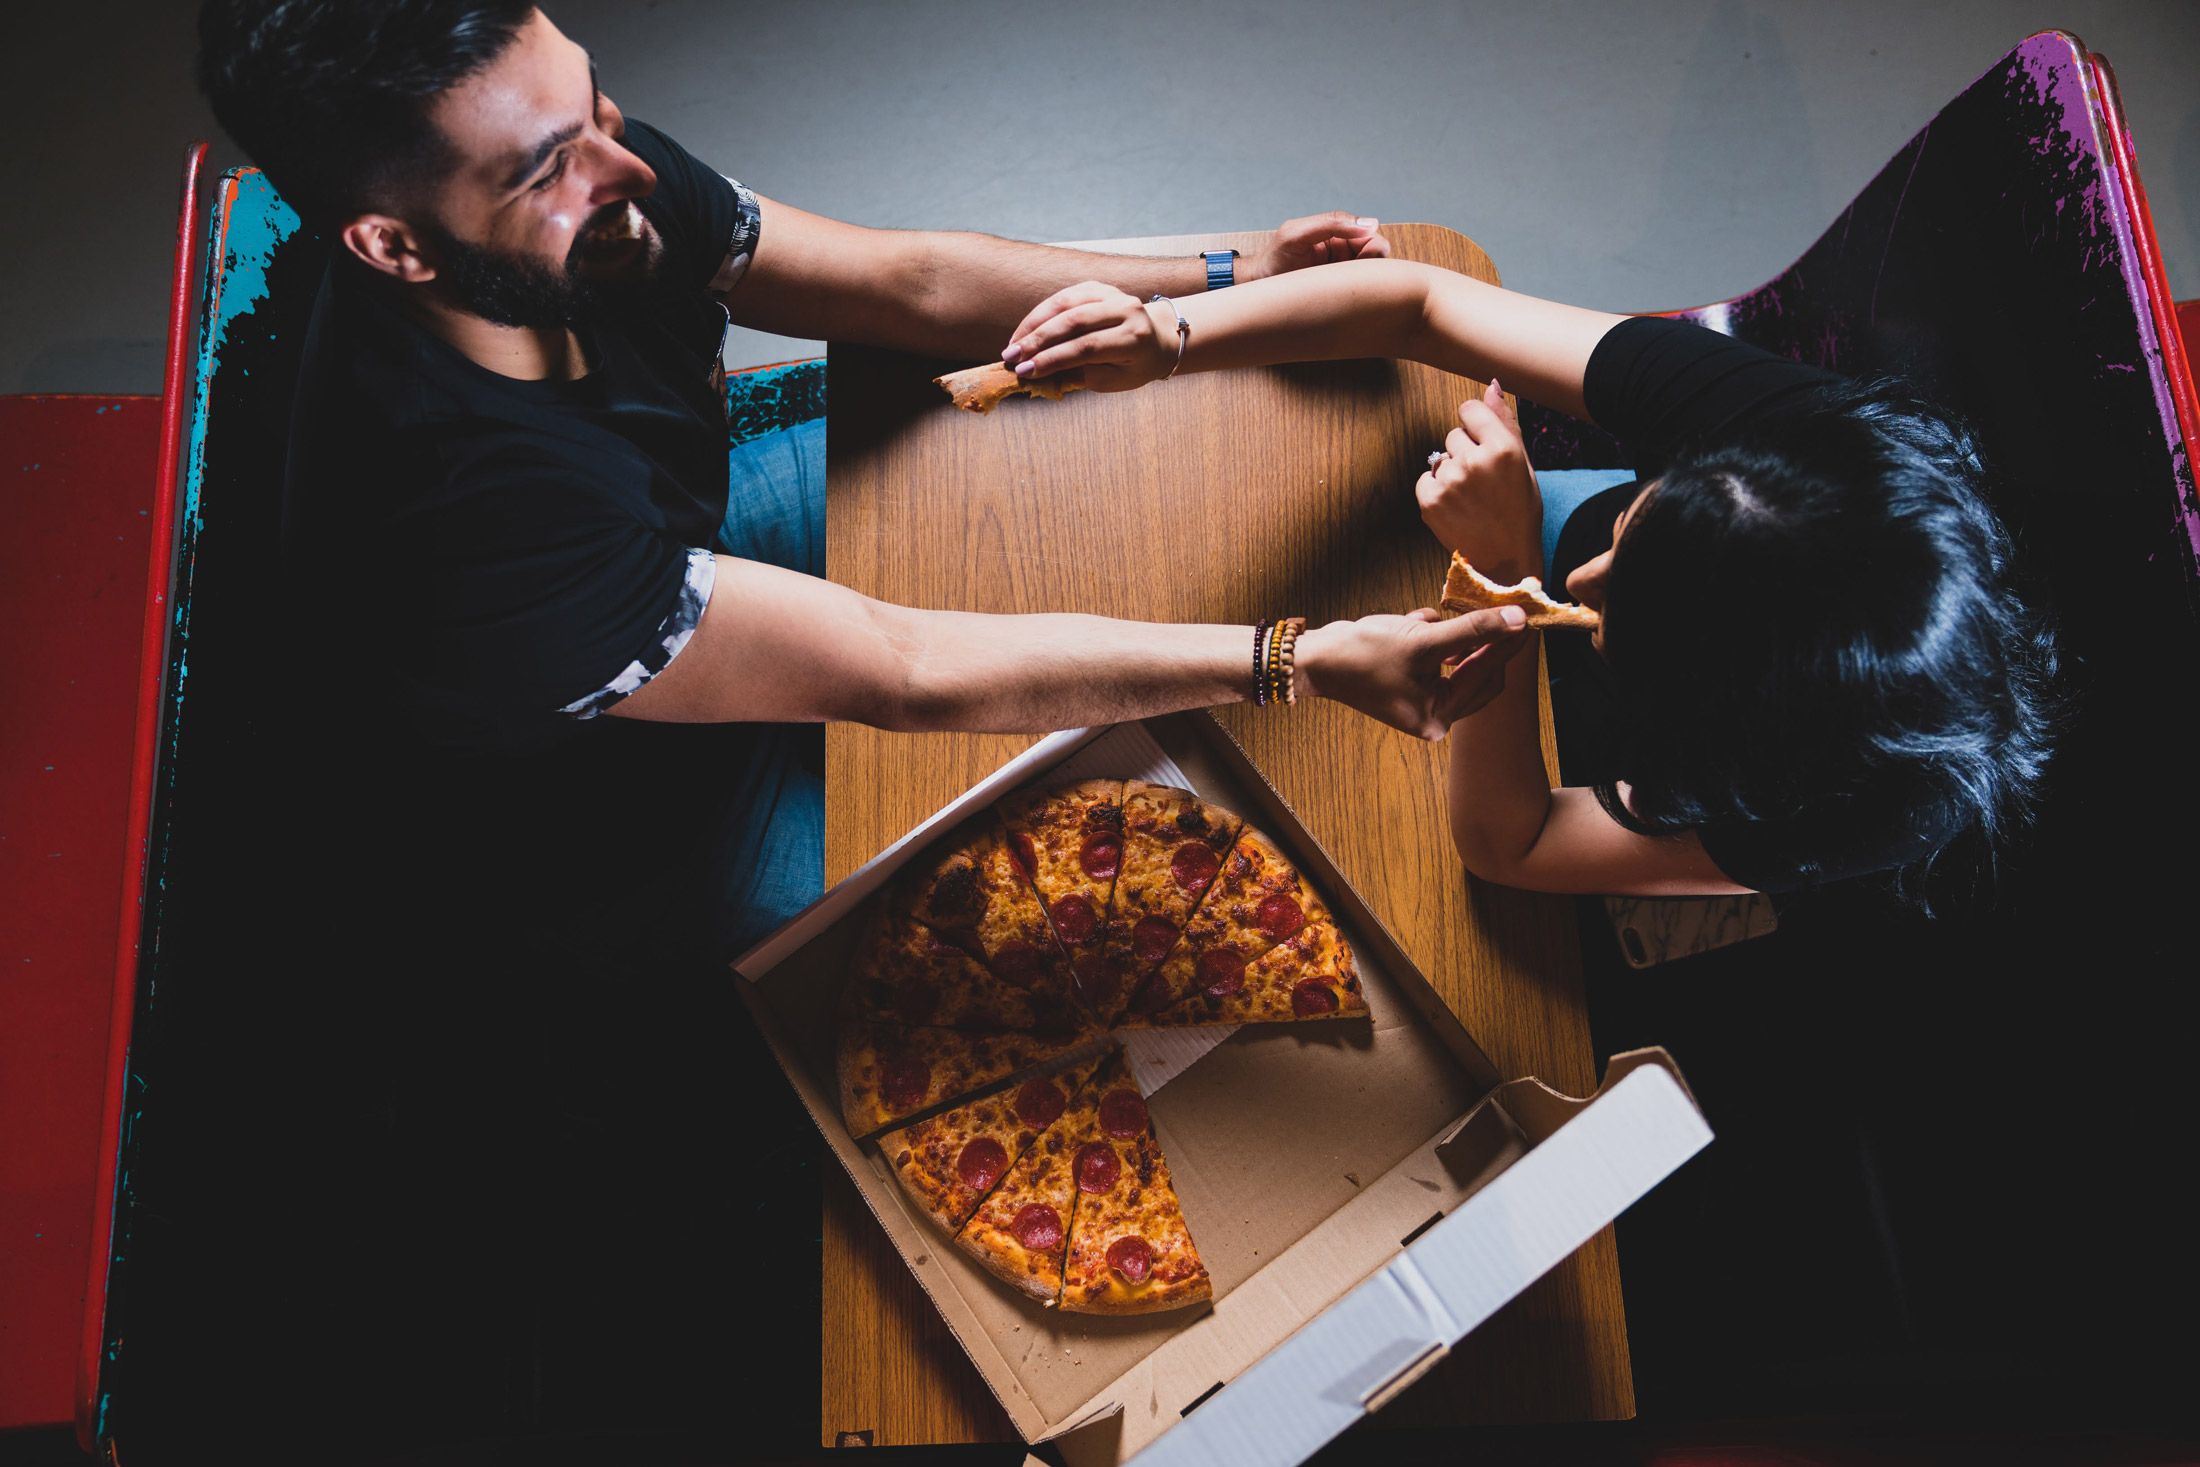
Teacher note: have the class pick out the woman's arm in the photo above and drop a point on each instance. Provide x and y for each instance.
(1360, 308)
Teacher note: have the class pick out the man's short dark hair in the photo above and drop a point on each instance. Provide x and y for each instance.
(331, 97)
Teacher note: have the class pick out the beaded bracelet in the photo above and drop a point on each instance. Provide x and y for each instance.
(1287, 639)
(1268, 665)
(1260, 653)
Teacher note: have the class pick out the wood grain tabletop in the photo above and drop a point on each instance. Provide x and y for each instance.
(1222, 497)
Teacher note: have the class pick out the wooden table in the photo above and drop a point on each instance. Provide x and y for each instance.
(1274, 492)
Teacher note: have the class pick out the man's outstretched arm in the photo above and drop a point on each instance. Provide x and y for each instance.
(956, 294)
(778, 646)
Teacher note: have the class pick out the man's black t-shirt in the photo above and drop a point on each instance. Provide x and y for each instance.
(1661, 386)
(526, 545)
(471, 554)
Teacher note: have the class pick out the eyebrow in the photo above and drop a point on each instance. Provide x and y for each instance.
(556, 140)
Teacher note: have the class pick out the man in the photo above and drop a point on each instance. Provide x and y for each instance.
(509, 490)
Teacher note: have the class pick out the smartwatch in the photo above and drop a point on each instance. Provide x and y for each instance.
(1221, 268)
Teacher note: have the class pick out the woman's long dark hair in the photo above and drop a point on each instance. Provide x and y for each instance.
(1821, 609)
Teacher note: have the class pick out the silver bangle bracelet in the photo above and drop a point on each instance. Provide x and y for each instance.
(1183, 334)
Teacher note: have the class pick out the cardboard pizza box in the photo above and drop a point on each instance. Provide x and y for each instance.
(1363, 1192)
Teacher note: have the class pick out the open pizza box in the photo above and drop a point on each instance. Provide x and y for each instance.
(1363, 1191)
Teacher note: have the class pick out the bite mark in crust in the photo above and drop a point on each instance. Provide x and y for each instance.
(1467, 589)
(981, 389)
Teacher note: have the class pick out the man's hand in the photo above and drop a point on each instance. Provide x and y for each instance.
(1318, 239)
(1120, 342)
(1415, 672)
(1481, 499)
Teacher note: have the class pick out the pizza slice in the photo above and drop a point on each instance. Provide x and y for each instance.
(888, 1071)
(1308, 976)
(1018, 1231)
(972, 894)
(1130, 1251)
(905, 973)
(1069, 841)
(1467, 589)
(948, 1163)
(982, 389)
(1259, 900)
(1173, 845)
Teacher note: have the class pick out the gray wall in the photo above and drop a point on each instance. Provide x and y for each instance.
(1626, 154)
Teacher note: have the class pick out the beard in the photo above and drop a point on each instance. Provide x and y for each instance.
(512, 289)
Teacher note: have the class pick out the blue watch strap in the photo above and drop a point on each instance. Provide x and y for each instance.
(1221, 268)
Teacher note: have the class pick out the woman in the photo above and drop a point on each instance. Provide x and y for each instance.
(1812, 665)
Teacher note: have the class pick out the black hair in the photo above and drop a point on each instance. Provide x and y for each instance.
(1823, 607)
(331, 97)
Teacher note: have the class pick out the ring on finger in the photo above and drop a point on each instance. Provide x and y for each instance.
(1438, 457)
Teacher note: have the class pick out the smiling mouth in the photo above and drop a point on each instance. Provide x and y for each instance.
(613, 234)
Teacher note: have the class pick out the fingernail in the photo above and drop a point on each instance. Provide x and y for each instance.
(1513, 617)
(1023, 369)
(1366, 223)
(1008, 353)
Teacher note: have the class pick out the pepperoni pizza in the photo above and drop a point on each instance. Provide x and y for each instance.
(963, 981)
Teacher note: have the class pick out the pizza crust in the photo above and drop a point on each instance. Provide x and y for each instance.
(982, 389)
(1467, 589)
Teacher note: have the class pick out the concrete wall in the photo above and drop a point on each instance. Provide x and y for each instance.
(1626, 154)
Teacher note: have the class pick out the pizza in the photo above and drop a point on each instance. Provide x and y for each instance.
(907, 974)
(1310, 975)
(976, 897)
(1019, 1230)
(1069, 843)
(889, 1071)
(1173, 845)
(960, 992)
(1130, 1250)
(948, 1163)
(1467, 589)
(1259, 900)
(982, 389)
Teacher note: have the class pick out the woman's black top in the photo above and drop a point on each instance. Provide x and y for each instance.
(1661, 386)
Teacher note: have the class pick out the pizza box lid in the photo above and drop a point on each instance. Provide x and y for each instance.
(1443, 1221)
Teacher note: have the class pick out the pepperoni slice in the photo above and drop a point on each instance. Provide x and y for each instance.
(982, 1163)
(1152, 938)
(1131, 1257)
(1098, 979)
(1312, 997)
(915, 1001)
(1026, 854)
(1098, 1167)
(1038, 1227)
(1280, 916)
(1194, 865)
(1221, 972)
(1040, 1103)
(1151, 995)
(1075, 919)
(1123, 1114)
(1017, 963)
(1101, 853)
(939, 944)
(904, 1081)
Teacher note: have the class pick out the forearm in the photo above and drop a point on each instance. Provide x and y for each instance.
(1032, 674)
(979, 286)
(1500, 793)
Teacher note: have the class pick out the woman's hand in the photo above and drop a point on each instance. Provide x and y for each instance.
(1481, 499)
(1417, 673)
(1117, 341)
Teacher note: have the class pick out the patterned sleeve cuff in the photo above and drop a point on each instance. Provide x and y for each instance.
(679, 625)
(748, 225)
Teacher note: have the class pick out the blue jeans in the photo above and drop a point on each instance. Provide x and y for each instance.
(1564, 491)
(769, 861)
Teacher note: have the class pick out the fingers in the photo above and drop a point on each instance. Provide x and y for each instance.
(1053, 306)
(1117, 320)
(1336, 235)
(1462, 634)
(1113, 346)
(1471, 685)
(1374, 247)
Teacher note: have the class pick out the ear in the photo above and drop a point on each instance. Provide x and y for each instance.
(389, 245)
